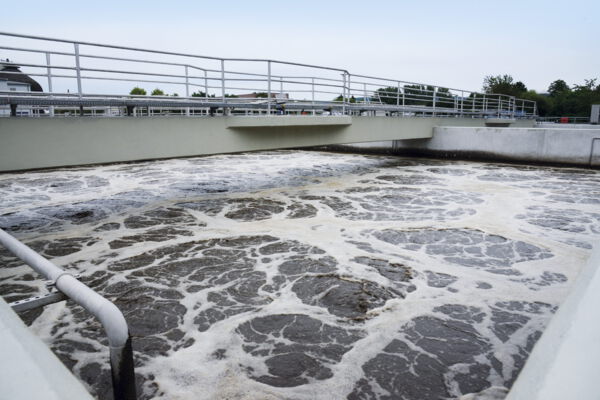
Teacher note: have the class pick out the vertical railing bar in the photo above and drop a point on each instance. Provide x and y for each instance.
(484, 105)
(78, 72)
(205, 85)
(434, 99)
(269, 87)
(187, 89)
(77, 69)
(344, 93)
(223, 82)
(403, 97)
(398, 97)
(349, 91)
(313, 94)
(49, 75)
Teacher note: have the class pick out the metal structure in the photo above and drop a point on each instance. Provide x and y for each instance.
(111, 318)
(92, 79)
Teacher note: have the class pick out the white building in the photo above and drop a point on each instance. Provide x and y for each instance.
(13, 80)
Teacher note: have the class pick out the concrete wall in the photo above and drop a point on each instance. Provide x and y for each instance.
(542, 145)
(27, 143)
(565, 362)
(551, 145)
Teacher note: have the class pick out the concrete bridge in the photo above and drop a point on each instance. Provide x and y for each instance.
(40, 143)
(230, 105)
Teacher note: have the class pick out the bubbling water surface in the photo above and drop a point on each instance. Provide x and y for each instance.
(305, 275)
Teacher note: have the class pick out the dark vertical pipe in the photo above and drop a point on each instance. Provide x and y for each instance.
(123, 375)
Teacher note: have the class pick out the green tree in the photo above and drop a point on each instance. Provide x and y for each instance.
(544, 103)
(340, 98)
(138, 91)
(387, 95)
(575, 101)
(200, 93)
(157, 92)
(558, 88)
(420, 95)
(503, 84)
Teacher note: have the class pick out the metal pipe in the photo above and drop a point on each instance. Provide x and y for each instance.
(187, 89)
(111, 318)
(344, 94)
(269, 88)
(77, 68)
(313, 94)
(223, 81)
(49, 72)
(162, 51)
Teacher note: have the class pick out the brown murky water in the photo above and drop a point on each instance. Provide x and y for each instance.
(305, 275)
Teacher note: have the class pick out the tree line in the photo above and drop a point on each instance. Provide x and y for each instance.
(559, 100)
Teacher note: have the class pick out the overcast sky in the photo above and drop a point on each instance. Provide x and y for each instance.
(448, 43)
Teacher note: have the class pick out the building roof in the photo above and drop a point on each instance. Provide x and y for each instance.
(7, 72)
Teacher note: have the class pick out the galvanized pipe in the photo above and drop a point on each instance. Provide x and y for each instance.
(49, 75)
(111, 318)
(269, 88)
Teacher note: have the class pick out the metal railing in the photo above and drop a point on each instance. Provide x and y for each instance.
(95, 76)
(111, 318)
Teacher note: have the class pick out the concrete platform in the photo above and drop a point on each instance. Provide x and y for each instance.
(34, 372)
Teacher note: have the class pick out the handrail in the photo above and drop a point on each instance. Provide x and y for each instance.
(171, 53)
(227, 81)
(111, 318)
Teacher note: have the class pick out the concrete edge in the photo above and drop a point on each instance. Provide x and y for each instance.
(29, 369)
(277, 121)
(564, 363)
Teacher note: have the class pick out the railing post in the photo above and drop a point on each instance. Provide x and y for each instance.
(499, 106)
(434, 99)
(403, 97)
(49, 75)
(313, 94)
(269, 87)
(349, 91)
(187, 89)
(398, 95)
(484, 105)
(223, 82)
(205, 85)
(78, 72)
(344, 93)
(462, 103)
(77, 68)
